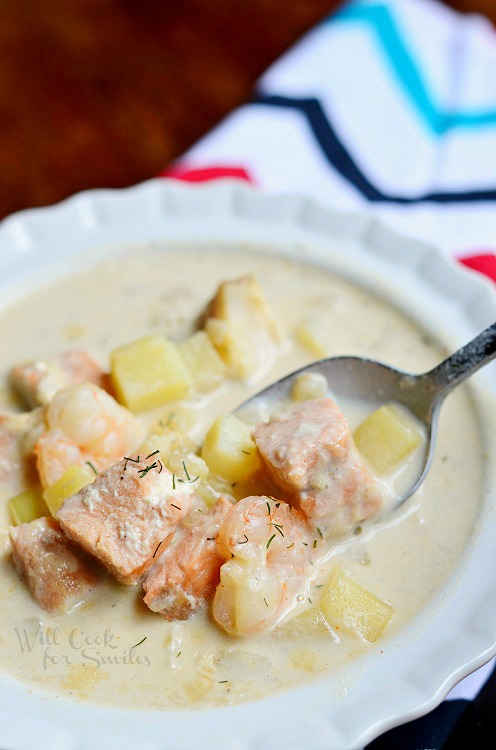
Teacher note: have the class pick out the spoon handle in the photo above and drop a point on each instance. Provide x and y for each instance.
(464, 362)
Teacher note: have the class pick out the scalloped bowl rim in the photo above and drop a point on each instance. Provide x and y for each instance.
(452, 637)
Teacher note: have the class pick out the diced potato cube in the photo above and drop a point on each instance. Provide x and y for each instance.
(203, 361)
(346, 604)
(315, 333)
(72, 480)
(241, 326)
(149, 372)
(187, 465)
(229, 450)
(309, 385)
(386, 438)
(212, 488)
(27, 506)
(311, 622)
(171, 433)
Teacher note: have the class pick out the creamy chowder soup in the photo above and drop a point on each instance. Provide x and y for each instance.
(112, 649)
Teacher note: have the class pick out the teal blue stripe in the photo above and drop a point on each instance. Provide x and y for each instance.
(402, 62)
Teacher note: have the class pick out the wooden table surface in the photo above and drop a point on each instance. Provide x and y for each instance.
(104, 93)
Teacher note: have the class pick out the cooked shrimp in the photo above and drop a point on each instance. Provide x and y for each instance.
(38, 381)
(269, 545)
(84, 423)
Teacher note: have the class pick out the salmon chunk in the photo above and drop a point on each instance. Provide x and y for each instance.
(59, 575)
(125, 513)
(38, 381)
(310, 453)
(186, 574)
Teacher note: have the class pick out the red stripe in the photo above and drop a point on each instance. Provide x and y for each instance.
(204, 174)
(484, 263)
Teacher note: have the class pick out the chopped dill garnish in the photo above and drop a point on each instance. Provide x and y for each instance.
(169, 420)
(194, 480)
(305, 544)
(186, 471)
(210, 538)
(314, 543)
(309, 600)
(158, 546)
(222, 682)
(268, 507)
(139, 644)
(247, 453)
(179, 654)
(133, 460)
(277, 527)
(234, 484)
(144, 472)
(270, 540)
(91, 467)
(152, 454)
(320, 533)
(175, 506)
(265, 600)
(173, 481)
(318, 585)
(290, 545)
(246, 539)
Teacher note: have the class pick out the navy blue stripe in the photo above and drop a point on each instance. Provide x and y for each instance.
(341, 159)
(430, 731)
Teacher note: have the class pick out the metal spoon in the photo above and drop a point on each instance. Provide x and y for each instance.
(422, 394)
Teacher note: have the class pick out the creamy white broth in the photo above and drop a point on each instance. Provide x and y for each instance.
(89, 654)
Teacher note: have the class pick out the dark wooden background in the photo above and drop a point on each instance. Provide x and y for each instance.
(108, 92)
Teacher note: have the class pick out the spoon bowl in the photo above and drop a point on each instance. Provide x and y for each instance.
(422, 394)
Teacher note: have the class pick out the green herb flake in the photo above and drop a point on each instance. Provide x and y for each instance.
(270, 540)
(186, 471)
(144, 472)
(91, 467)
(157, 549)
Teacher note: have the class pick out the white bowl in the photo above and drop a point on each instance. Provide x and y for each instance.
(450, 638)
